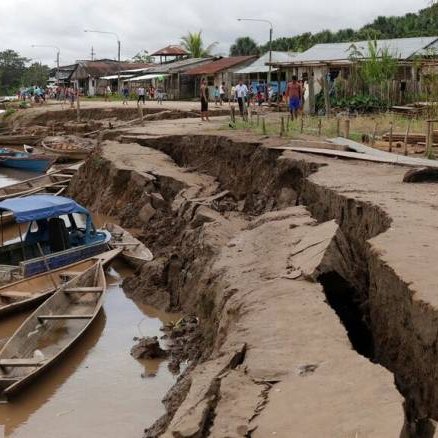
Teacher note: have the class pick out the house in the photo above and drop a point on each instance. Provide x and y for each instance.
(219, 70)
(87, 74)
(335, 62)
(174, 52)
(258, 70)
(177, 84)
(61, 76)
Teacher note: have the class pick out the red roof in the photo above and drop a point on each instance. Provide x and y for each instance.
(220, 65)
(171, 51)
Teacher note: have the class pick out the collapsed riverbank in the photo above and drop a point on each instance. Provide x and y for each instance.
(227, 222)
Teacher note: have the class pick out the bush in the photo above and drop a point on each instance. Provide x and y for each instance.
(360, 103)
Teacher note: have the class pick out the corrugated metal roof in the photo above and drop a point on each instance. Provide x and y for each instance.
(146, 77)
(172, 50)
(219, 65)
(402, 48)
(179, 66)
(259, 65)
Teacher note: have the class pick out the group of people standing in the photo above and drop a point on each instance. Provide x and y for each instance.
(246, 95)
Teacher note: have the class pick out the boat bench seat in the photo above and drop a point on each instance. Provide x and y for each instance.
(15, 295)
(54, 317)
(83, 290)
(21, 362)
(70, 273)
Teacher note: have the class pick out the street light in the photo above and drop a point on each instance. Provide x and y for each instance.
(118, 50)
(58, 51)
(271, 31)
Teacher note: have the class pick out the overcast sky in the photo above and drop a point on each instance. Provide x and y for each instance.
(151, 25)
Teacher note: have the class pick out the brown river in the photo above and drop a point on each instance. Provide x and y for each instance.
(98, 389)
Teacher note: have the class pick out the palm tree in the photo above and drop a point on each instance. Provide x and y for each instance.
(193, 43)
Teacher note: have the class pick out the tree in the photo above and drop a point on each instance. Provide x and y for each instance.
(143, 57)
(244, 46)
(12, 68)
(194, 44)
(35, 74)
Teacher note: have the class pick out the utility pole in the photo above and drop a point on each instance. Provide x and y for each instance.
(92, 53)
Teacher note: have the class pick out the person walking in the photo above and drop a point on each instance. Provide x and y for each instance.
(140, 95)
(241, 94)
(107, 93)
(294, 93)
(216, 95)
(125, 93)
(204, 101)
(222, 93)
(160, 93)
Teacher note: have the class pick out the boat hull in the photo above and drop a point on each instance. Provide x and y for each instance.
(38, 328)
(30, 164)
(63, 258)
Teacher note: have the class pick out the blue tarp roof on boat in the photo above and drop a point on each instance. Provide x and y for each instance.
(35, 207)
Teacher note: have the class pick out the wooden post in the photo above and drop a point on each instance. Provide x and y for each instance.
(311, 92)
(258, 120)
(347, 128)
(429, 138)
(302, 123)
(281, 126)
(233, 114)
(373, 139)
(326, 94)
(287, 123)
(78, 107)
(390, 136)
(319, 127)
(264, 126)
(405, 152)
(338, 127)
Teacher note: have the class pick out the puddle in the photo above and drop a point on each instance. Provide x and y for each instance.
(97, 389)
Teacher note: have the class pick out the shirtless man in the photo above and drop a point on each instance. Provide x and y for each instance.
(294, 94)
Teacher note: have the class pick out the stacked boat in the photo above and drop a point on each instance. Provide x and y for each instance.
(57, 263)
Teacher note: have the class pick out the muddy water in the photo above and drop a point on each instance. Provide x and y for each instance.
(98, 389)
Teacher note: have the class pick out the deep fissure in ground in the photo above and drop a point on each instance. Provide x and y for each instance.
(259, 182)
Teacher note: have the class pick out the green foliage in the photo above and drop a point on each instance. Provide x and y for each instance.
(194, 44)
(9, 113)
(143, 57)
(360, 103)
(424, 23)
(12, 68)
(244, 46)
(35, 74)
(377, 65)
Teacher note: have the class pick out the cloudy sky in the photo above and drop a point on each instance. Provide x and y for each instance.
(150, 25)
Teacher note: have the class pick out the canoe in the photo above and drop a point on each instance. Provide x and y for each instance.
(30, 292)
(133, 251)
(51, 330)
(25, 161)
(19, 140)
(67, 150)
(53, 183)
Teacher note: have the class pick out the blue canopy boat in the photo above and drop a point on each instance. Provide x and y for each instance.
(24, 160)
(60, 232)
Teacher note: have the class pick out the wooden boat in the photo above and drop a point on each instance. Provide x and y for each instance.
(67, 151)
(32, 291)
(133, 251)
(19, 140)
(25, 161)
(51, 330)
(52, 183)
(59, 232)
(69, 169)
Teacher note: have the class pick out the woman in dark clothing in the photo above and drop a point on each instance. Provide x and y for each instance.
(204, 101)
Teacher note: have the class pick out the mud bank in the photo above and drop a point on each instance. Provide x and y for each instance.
(218, 213)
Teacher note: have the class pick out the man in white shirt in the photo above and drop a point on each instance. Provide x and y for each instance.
(241, 93)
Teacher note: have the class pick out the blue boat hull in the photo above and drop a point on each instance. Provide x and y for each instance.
(33, 165)
(63, 258)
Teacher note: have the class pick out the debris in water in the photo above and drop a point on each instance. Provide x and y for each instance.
(148, 348)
